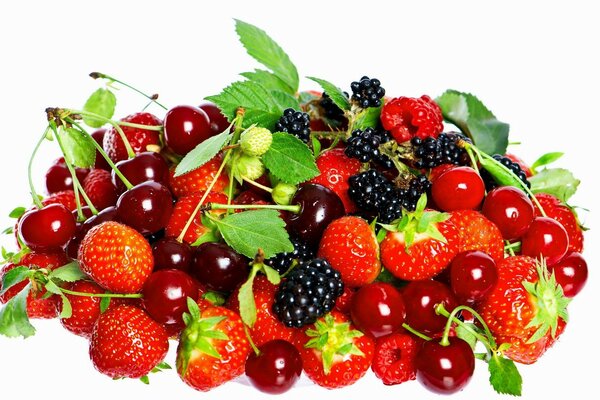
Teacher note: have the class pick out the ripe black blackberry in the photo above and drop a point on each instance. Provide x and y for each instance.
(382, 159)
(295, 123)
(431, 152)
(308, 292)
(283, 261)
(330, 109)
(489, 181)
(363, 144)
(403, 198)
(370, 190)
(367, 92)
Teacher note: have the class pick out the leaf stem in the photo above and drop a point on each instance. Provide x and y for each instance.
(157, 128)
(258, 185)
(295, 208)
(152, 98)
(487, 340)
(34, 195)
(415, 332)
(111, 295)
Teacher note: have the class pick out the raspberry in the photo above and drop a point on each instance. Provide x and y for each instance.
(256, 141)
(406, 117)
(431, 152)
(394, 360)
(489, 181)
(367, 92)
(295, 123)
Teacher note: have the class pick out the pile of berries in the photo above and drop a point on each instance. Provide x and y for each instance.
(369, 251)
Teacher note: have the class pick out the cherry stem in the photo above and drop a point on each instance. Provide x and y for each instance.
(157, 128)
(152, 98)
(487, 340)
(510, 247)
(34, 195)
(111, 295)
(258, 185)
(295, 208)
(415, 332)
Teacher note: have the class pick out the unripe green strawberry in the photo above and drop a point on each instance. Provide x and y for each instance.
(249, 167)
(283, 193)
(256, 141)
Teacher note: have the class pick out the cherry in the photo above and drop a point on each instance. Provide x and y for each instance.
(170, 254)
(87, 214)
(445, 369)
(98, 136)
(458, 188)
(378, 309)
(510, 209)
(146, 166)
(318, 207)
(571, 273)
(58, 177)
(146, 207)
(219, 267)
(165, 296)
(47, 228)
(185, 127)
(218, 122)
(547, 238)
(276, 369)
(472, 276)
(420, 299)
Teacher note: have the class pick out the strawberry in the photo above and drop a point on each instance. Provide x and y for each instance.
(199, 179)
(127, 343)
(267, 327)
(420, 245)
(139, 139)
(117, 257)
(183, 210)
(476, 232)
(66, 198)
(334, 353)
(562, 213)
(37, 306)
(394, 360)
(213, 347)
(336, 167)
(100, 189)
(526, 309)
(350, 246)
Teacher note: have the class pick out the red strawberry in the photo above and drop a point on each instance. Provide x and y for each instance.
(183, 210)
(98, 136)
(334, 354)
(117, 257)
(476, 232)
(560, 212)
(336, 167)
(139, 139)
(66, 198)
(421, 245)
(526, 309)
(199, 179)
(37, 306)
(127, 343)
(267, 326)
(100, 189)
(350, 246)
(394, 360)
(213, 347)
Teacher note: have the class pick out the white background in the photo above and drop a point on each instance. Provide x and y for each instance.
(533, 65)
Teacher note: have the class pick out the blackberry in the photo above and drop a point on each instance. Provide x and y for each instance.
(403, 198)
(382, 159)
(370, 190)
(308, 292)
(391, 209)
(431, 152)
(330, 109)
(367, 92)
(283, 261)
(490, 182)
(295, 123)
(363, 145)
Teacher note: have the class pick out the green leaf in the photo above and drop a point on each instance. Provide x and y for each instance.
(13, 316)
(80, 149)
(215, 298)
(246, 300)
(52, 287)
(203, 153)
(306, 97)
(335, 93)
(264, 50)
(66, 310)
(368, 118)
(101, 102)
(261, 106)
(558, 182)
(17, 212)
(290, 159)
(504, 376)
(68, 273)
(316, 146)
(248, 231)
(268, 80)
(501, 174)
(469, 114)
(467, 335)
(285, 100)
(13, 277)
(546, 159)
(104, 304)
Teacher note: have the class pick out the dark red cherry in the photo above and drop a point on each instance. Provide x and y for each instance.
(98, 136)
(378, 309)
(144, 167)
(445, 369)
(510, 209)
(171, 254)
(318, 207)
(276, 369)
(165, 296)
(58, 177)
(146, 207)
(219, 267)
(185, 127)
(218, 122)
(420, 299)
(459, 188)
(47, 228)
(472, 276)
(547, 238)
(571, 273)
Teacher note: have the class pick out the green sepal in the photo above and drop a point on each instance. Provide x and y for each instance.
(104, 304)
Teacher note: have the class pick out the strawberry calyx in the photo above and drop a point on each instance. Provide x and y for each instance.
(418, 223)
(333, 340)
(550, 303)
